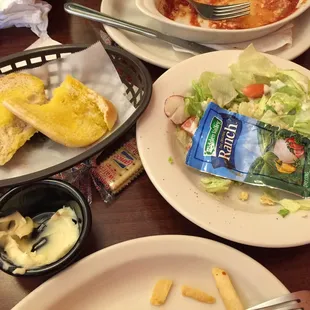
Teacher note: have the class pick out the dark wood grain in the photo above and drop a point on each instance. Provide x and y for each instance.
(139, 210)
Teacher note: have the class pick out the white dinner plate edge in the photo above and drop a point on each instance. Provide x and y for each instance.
(69, 273)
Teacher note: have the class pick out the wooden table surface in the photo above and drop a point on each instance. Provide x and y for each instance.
(139, 210)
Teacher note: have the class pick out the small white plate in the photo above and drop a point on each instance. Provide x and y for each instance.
(162, 54)
(245, 222)
(122, 276)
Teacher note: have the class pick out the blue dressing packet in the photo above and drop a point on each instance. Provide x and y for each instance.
(243, 149)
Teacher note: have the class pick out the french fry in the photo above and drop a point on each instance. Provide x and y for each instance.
(160, 292)
(197, 295)
(226, 289)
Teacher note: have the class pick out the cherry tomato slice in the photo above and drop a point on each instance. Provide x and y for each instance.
(254, 90)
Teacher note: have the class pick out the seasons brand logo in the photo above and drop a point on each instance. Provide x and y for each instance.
(212, 138)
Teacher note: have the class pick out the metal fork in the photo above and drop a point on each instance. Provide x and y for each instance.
(220, 12)
(85, 12)
(294, 301)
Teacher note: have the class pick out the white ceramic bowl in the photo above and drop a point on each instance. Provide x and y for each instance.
(208, 35)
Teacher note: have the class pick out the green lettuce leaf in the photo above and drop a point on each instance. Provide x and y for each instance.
(284, 212)
(204, 81)
(240, 97)
(262, 105)
(302, 123)
(304, 204)
(275, 85)
(199, 91)
(247, 108)
(222, 90)
(291, 205)
(295, 205)
(183, 138)
(273, 119)
(282, 103)
(215, 185)
(291, 91)
(193, 103)
(253, 108)
(193, 107)
(289, 120)
(295, 79)
(252, 67)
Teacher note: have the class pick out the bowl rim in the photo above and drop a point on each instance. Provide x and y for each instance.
(278, 24)
(67, 259)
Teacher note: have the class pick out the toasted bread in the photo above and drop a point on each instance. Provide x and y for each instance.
(14, 132)
(76, 116)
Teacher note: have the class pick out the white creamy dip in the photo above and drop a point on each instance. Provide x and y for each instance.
(54, 241)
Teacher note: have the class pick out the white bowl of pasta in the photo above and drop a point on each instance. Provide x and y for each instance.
(178, 18)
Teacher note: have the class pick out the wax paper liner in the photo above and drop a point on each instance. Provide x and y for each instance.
(94, 68)
(79, 175)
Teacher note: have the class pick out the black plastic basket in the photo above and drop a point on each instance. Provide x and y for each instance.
(132, 72)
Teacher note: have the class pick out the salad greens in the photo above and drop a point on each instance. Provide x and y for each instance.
(215, 185)
(222, 90)
(284, 103)
(279, 97)
(292, 206)
(170, 160)
(284, 212)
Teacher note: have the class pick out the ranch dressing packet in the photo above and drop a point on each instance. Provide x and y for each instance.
(243, 149)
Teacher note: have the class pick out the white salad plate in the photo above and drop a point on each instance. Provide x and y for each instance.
(244, 222)
(162, 54)
(122, 276)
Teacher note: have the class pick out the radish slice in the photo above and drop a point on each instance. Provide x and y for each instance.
(175, 109)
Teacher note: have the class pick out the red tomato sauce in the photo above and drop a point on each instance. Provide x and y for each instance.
(263, 12)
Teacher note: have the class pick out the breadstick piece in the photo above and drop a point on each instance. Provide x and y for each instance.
(160, 292)
(226, 289)
(197, 295)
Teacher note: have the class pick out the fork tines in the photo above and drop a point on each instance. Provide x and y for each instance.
(298, 300)
(231, 11)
